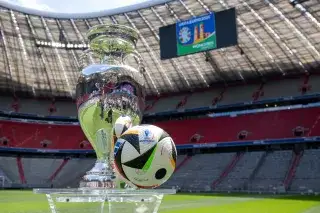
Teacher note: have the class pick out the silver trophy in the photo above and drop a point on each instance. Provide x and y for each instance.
(106, 90)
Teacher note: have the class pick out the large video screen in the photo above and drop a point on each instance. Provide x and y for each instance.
(196, 35)
(204, 33)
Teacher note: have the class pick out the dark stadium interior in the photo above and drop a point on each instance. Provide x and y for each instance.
(253, 108)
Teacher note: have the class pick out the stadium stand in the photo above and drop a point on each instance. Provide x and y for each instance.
(266, 125)
(285, 88)
(182, 159)
(240, 174)
(243, 127)
(44, 172)
(208, 166)
(254, 171)
(233, 96)
(292, 170)
(175, 179)
(197, 100)
(21, 170)
(37, 171)
(269, 177)
(58, 169)
(307, 176)
(34, 135)
(72, 172)
(5, 182)
(9, 167)
(250, 173)
(166, 104)
(227, 169)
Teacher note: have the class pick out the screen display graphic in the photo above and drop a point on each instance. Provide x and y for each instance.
(196, 35)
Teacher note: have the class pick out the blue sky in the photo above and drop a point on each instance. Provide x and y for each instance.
(74, 6)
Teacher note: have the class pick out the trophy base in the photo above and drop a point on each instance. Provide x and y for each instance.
(97, 184)
(100, 176)
(104, 200)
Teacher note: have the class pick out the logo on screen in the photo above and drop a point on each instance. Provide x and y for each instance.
(185, 35)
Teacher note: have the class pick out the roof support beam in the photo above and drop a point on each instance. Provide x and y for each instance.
(249, 60)
(282, 43)
(25, 58)
(61, 65)
(6, 54)
(152, 54)
(255, 38)
(146, 72)
(43, 61)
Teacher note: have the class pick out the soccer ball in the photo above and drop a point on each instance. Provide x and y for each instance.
(121, 125)
(145, 156)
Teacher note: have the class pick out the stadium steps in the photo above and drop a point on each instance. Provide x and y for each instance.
(183, 162)
(21, 171)
(216, 100)
(293, 157)
(54, 175)
(151, 105)
(256, 170)
(72, 172)
(74, 183)
(228, 169)
(182, 102)
(258, 93)
(292, 169)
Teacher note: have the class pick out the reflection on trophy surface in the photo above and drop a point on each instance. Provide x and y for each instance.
(107, 90)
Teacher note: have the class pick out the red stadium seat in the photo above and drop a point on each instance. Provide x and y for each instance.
(258, 126)
(30, 135)
(267, 125)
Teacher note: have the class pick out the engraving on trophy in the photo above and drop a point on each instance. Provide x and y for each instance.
(108, 88)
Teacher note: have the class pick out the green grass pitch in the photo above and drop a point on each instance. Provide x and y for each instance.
(27, 202)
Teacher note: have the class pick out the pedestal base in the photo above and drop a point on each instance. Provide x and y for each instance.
(104, 200)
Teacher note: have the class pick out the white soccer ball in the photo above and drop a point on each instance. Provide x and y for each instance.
(145, 156)
(121, 125)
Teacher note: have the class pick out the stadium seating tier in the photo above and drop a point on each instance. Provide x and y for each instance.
(256, 126)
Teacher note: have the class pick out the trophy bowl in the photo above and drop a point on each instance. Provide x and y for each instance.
(112, 39)
(105, 91)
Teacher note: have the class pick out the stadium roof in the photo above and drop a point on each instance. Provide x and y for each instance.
(275, 38)
(45, 10)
